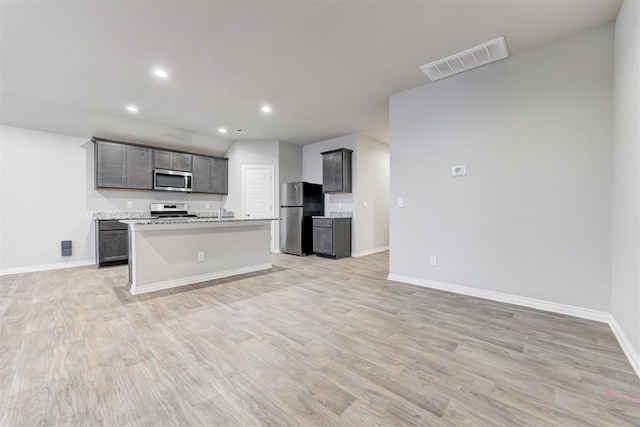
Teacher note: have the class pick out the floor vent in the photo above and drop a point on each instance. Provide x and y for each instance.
(468, 59)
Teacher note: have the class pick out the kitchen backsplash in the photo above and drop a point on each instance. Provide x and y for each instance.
(341, 214)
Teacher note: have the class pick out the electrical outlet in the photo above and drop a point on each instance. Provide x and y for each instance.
(129, 204)
(433, 260)
(459, 170)
(201, 256)
(365, 204)
(207, 205)
(401, 202)
(339, 205)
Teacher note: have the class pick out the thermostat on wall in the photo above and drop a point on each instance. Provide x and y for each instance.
(458, 171)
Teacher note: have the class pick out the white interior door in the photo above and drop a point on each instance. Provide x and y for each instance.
(257, 192)
(258, 195)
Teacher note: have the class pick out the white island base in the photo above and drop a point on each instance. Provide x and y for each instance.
(164, 254)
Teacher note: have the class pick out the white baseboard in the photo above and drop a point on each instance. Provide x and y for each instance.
(43, 267)
(370, 251)
(143, 289)
(569, 310)
(627, 348)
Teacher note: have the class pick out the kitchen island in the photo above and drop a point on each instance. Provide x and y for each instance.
(166, 253)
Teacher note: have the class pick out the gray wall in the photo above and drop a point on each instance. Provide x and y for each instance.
(625, 292)
(290, 158)
(372, 201)
(532, 216)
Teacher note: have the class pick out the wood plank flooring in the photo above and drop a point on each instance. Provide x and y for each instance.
(311, 342)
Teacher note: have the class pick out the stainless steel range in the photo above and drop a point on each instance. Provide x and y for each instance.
(170, 210)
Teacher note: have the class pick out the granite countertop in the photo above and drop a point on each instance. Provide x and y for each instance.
(121, 215)
(333, 215)
(147, 215)
(153, 221)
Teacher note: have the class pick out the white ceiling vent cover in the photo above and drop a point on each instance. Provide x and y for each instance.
(476, 56)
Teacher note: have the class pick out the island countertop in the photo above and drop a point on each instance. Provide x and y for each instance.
(131, 215)
(181, 222)
(165, 253)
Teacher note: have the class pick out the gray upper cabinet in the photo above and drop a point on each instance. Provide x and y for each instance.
(219, 176)
(210, 175)
(201, 174)
(162, 159)
(182, 162)
(139, 168)
(336, 171)
(171, 160)
(111, 165)
(123, 166)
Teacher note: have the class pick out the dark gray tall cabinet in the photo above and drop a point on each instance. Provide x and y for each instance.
(123, 166)
(336, 171)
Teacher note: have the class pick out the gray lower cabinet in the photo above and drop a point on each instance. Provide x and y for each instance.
(123, 166)
(210, 175)
(112, 242)
(171, 160)
(332, 237)
(336, 171)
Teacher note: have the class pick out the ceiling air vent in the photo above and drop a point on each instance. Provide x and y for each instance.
(476, 56)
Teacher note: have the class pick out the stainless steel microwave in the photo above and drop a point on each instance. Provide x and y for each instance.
(169, 180)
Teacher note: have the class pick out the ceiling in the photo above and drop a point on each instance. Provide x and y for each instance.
(327, 68)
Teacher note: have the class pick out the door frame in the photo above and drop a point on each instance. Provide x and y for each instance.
(273, 198)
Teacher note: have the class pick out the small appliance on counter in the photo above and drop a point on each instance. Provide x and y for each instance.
(300, 201)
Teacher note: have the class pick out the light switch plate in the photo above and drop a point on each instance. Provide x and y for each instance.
(129, 204)
(207, 205)
(401, 202)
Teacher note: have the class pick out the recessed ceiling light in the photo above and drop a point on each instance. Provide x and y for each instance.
(160, 73)
(222, 130)
(266, 109)
(240, 130)
(132, 108)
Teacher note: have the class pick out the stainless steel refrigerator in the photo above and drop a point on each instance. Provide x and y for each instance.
(300, 201)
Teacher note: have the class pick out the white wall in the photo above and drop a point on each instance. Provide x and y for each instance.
(290, 170)
(532, 216)
(249, 153)
(290, 160)
(625, 292)
(253, 153)
(372, 199)
(47, 195)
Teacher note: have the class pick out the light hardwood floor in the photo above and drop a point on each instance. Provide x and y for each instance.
(312, 342)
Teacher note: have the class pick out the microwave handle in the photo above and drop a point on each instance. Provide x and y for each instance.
(188, 182)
